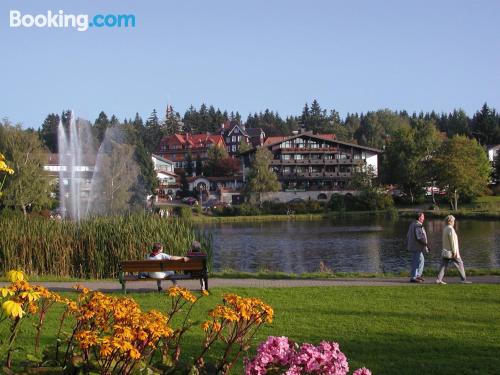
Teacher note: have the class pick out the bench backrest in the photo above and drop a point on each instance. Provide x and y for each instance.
(193, 264)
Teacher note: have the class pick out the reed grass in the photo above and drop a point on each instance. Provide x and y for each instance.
(91, 248)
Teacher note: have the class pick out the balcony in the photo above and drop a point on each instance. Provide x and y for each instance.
(318, 162)
(306, 149)
(315, 175)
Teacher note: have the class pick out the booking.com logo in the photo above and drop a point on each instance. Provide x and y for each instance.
(79, 22)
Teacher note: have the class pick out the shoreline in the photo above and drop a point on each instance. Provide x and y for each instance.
(400, 212)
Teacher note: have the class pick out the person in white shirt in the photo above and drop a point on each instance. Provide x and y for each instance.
(158, 254)
(450, 243)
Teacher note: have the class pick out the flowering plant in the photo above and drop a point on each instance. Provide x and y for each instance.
(279, 355)
(234, 323)
(18, 300)
(4, 168)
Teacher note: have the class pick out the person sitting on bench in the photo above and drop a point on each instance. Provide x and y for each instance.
(158, 254)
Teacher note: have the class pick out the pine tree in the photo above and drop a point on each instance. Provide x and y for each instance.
(48, 132)
(101, 124)
(114, 121)
(486, 126)
(152, 132)
(173, 123)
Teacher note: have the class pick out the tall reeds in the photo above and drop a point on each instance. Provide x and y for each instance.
(91, 248)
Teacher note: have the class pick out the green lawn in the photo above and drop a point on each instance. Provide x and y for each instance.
(453, 329)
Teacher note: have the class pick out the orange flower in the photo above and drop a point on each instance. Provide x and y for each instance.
(205, 326)
(134, 354)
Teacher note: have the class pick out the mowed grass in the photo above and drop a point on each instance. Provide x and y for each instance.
(421, 329)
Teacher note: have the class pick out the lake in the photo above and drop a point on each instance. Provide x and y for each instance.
(350, 244)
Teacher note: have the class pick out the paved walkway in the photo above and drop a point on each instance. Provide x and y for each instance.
(146, 286)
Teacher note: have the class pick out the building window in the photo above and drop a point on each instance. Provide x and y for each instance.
(236, 130)
(233, 148)
(234, 138)
(228, 139)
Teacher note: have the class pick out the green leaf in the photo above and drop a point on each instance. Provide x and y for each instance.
(33, 358)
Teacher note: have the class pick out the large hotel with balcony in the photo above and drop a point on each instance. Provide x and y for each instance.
(315, 162)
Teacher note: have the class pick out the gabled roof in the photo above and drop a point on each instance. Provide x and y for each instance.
(162, 159)
(228, 127)
(254, 132)
(272, 141)
(193, 140)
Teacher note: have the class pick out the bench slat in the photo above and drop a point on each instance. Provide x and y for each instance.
(194, 268)
(162, 265)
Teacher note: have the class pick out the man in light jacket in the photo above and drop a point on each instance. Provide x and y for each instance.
(417, 245)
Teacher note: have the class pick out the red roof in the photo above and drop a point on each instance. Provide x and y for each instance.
(192, 140)
(271, 140)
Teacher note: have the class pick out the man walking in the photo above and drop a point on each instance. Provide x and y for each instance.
(417, 245)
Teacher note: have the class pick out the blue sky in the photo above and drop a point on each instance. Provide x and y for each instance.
(353, 56)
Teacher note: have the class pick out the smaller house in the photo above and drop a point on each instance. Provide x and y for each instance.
(165, 175)
(234, 133)
(257, 136)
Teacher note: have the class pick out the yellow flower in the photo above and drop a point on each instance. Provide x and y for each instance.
(106, 350)
(4, 292)
(32, 308)
(121, 344)
(204, 292)
(173, 291)
(4, 167)
(13, 309)
(205, 326)
(187, 295)
(15, 275)
(30, 296)
(87, 338)
(134, 354)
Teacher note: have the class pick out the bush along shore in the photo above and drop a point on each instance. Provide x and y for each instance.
(91, 248)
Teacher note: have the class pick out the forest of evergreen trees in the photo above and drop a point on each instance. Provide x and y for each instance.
(373, 128)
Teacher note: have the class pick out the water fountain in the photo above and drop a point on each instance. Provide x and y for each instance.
(76, 152)
(85, 177)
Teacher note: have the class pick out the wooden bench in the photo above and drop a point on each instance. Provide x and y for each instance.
(194, 268)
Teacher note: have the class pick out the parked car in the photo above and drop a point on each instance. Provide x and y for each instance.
(190, 200)
(296, 200)
(214, 204)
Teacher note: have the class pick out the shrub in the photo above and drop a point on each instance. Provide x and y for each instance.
(365, 201)
(279, 355)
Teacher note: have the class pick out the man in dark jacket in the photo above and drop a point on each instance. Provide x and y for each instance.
(417, 245)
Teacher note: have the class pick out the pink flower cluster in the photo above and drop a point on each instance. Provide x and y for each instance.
(279, 355)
